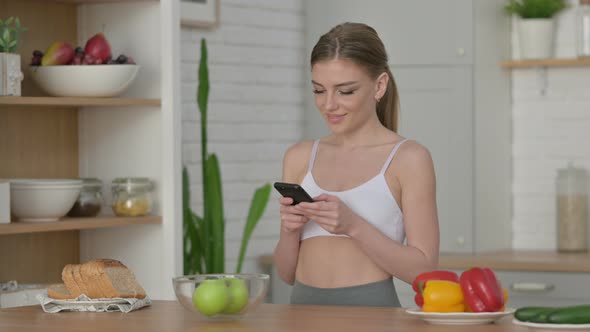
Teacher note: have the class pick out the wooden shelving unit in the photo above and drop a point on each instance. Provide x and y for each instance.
(56, 137)
(573, 62)
(69, 224)
(77, 102)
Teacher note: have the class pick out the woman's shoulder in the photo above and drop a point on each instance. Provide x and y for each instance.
(412, 155)
(299, 150)
(296, 160)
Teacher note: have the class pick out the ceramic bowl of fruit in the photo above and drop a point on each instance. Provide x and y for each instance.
(89, 71)
(221, 296)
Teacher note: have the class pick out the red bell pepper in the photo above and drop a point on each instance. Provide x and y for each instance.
(420, 282)
(482, 290)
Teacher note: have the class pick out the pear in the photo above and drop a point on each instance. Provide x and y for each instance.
(58, 53)
(98, 47)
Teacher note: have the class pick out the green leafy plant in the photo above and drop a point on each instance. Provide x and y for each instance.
(10, 34)
(204, 237)
(534, 8)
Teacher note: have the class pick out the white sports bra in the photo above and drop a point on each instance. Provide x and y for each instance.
(371, 200)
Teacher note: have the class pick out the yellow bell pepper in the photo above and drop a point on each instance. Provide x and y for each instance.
(443, 296)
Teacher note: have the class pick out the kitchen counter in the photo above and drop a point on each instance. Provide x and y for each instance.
(170, 316)
(509, 260)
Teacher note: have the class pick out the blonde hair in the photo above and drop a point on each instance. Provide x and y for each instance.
(360, 44)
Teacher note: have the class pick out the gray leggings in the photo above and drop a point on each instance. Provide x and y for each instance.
(376, 294)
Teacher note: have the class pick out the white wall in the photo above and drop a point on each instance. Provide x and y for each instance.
(256, 64)
(548, 131)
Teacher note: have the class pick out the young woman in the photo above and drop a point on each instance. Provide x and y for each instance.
(372, 188)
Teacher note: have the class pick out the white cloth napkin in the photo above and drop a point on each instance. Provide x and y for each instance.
(84, 303)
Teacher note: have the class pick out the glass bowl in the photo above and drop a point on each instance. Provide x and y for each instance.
(221, 296)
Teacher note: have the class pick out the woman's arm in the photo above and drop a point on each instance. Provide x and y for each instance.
(415, 173)
(287, 249)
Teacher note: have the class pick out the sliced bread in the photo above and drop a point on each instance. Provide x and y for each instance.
(89, 274)
(78, 278)
(59, 292)
(117, 280)
(67, 276)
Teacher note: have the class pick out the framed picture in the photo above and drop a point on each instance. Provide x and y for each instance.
(199, 13)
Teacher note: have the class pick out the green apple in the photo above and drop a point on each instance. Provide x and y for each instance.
(211, 297)
(238, 295)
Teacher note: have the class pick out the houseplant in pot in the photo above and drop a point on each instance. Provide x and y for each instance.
(536, 26)
(10, 71)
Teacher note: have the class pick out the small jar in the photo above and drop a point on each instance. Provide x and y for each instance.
(572, 209)
(132, 197)
(90, 200)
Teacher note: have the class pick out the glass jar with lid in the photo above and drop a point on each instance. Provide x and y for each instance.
(132, 197)
(572, 209)
(90, 200)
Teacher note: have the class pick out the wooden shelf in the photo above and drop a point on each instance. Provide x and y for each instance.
(98, 1)
(573, 62)
(76, 224)
(76, 101)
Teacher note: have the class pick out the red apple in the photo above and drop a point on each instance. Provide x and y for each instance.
(58, 53)
(98, 47)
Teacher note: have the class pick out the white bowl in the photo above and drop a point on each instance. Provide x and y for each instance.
(84, 80)
(41, 200)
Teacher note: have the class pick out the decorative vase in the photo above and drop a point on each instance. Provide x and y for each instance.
(10, 74)
(535, 37)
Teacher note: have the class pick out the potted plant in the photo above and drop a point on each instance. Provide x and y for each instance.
(10, 71)
(536, 26)
(204, 237)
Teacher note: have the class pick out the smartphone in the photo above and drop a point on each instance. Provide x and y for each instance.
(295, 191)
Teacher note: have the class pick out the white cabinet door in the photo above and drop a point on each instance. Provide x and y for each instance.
(413, 31)
(545, 288)
(436, 111)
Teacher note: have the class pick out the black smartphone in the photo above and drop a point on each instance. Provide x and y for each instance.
(295, 191)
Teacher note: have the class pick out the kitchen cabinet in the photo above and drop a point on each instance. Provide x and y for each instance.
(454, 99)
(136, 134)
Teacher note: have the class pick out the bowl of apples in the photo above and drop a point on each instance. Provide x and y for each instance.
(89, 71)
(221, 296)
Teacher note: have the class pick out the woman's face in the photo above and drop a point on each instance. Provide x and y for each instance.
(345, 94)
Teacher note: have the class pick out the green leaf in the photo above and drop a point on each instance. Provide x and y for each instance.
(9, 20)
(6, 35)
(188, 227)
(202, 95)
(216, 218)
(2, 43)
(257, 207)
(200, 238)
(203, 92)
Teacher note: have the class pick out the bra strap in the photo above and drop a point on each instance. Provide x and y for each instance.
(391, 155)
(314, 151)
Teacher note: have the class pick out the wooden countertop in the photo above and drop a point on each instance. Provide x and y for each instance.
(170, 316)
(509, 260)
(534, 261)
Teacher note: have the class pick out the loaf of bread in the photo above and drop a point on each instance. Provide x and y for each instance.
(100, 278)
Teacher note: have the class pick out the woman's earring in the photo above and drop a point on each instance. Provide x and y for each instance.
(378, 100)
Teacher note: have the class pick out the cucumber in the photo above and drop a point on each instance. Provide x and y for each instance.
(527, 314)
(570, 315)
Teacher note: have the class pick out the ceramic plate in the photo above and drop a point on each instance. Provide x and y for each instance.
(459, 318)
(541, 326)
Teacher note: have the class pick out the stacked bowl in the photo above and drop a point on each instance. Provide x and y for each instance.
(42, 200)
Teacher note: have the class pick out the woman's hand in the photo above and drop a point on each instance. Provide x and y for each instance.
(330, 213)
(292, 220)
